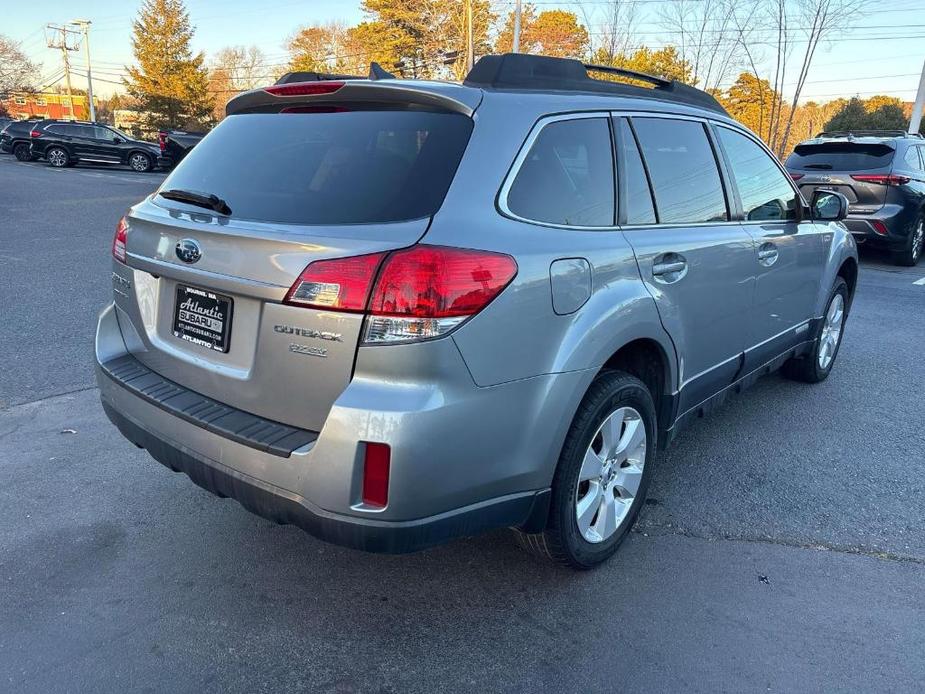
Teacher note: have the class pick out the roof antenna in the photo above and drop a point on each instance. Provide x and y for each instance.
(377, 72)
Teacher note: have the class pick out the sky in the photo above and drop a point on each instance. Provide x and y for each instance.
(882, 53)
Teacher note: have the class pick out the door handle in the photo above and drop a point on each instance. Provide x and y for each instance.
(767, 254)
(669, 267)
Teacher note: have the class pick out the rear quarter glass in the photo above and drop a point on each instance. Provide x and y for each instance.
(338, 167)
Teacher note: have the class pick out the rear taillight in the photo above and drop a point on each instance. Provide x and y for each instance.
(376, 474)
(882, 179)
(341, 284)
(795, 176)
(880, 227)
(303, 88)
(426, 291)
(162, 140)
(119, 240)
(35, 133)
(419, 293)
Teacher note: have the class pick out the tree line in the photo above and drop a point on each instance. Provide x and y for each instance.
(754, 56)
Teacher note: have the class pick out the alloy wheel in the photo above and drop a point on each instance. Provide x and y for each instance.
(139, 162)
(57, 157)
(918, 238)
(831, 331)
(610, 475)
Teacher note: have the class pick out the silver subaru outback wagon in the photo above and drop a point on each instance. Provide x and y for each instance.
(397, 312)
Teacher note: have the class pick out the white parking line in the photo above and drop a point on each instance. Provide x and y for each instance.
(920, 282)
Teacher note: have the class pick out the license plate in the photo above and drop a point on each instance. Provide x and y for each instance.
(203, 318)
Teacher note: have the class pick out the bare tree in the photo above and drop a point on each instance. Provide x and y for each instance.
(16, 71)
(245, 67)
(709, 35)
(819, 19)
(617, 33)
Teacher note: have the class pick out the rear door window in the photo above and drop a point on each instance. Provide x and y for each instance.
(840, 156)
(764, 190)
(339, 167)
(683, 170)
(567, 176)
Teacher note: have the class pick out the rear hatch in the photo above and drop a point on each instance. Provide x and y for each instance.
(208, 301)
(833, 165)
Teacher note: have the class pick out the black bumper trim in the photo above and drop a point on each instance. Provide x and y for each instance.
(239, 426)
(527, 510)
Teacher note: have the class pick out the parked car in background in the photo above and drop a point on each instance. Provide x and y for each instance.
(395, 312)
(65, 143)
(174, 145)
(882, 173)
(4, 121)
(15, 140)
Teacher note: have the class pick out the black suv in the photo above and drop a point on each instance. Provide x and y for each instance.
(882, 173)
(64, 143)
(14, 139)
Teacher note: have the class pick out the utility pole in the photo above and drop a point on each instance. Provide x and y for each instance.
(55, 42)
(85, 24)
(916, 119)
(516, 47)
(470, 58)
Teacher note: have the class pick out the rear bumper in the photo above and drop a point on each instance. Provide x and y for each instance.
(461, 463)
(165, 161)
(394, 537)
(893, 219)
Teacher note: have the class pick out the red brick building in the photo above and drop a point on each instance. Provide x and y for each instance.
(47, 105)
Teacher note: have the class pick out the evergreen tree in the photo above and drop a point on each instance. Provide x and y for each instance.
(170, 83)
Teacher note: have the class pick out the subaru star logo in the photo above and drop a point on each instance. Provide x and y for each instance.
(188, 250)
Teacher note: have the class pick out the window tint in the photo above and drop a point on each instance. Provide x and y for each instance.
(912, 159)
(344, 167)
(683, 170)
(567, 176)
(840, 156)
(639, 207)
(81, 131)
(763, 188)
(57, 129)
(104, 134)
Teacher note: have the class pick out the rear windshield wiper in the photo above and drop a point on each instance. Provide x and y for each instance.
(212, 202)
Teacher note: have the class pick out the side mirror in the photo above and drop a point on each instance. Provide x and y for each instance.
(118, 140)
(829, 206)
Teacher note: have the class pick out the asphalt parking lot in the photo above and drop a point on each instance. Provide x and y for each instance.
(783, 548)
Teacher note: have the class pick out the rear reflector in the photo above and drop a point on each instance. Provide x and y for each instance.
(882, 179)
(303, 88)
(376, 474)
(796, 176)
(119, 240)
(880, 227)
(341, 284)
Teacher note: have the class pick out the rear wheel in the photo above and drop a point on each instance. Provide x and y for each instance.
(22, 152)
(140, 162)
(57, 157)
(602, 476)
(911, 254)
(816, 366)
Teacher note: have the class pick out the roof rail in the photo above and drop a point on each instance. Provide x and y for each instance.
(522, 71)
(867, 133)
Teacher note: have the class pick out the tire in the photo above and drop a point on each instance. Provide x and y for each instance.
(22, 152)
(57, 157)
(814, 367)
(623, 402)
(915, 245)
(140, 162)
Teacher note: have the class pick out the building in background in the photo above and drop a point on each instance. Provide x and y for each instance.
(24, 105)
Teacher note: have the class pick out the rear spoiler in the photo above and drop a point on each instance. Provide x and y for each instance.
(376, 72)
(338, 92)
